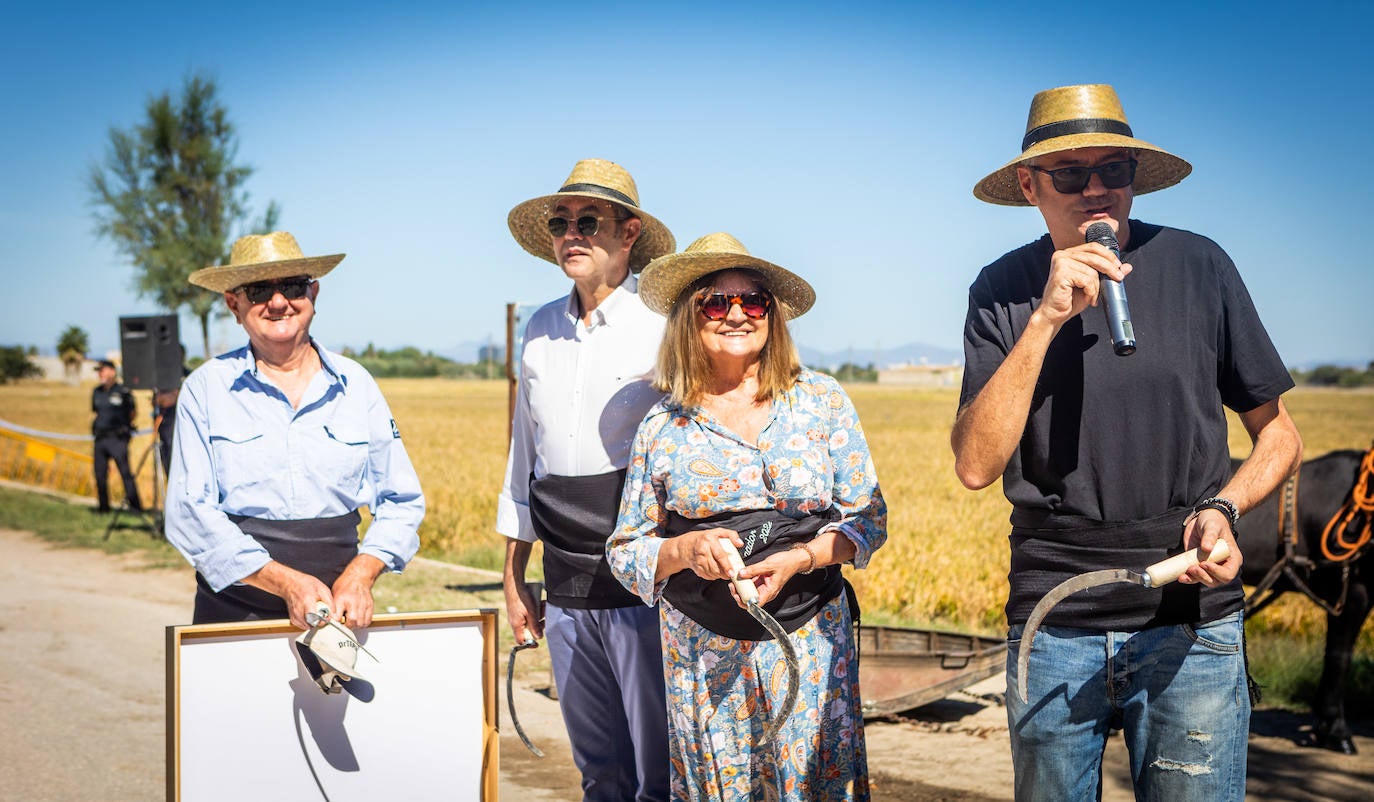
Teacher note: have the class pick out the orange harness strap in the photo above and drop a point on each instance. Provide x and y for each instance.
(1349, 530)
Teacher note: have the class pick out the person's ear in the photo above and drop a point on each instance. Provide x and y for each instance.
(313, 291)
(1025, 178)
(632, 228)
(231, 300)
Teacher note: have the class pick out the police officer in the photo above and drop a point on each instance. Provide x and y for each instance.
(113, 405)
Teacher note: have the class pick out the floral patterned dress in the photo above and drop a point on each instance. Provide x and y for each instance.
(811, 455)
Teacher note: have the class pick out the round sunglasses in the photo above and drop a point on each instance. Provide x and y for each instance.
(716, 305)
(587, 225)
(1073, 180)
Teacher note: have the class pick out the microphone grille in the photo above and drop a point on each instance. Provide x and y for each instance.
(1100, 232)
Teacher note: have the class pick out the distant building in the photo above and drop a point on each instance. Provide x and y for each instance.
(921, 375)
(493, 354)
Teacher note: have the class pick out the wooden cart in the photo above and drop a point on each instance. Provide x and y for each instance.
(901, 668)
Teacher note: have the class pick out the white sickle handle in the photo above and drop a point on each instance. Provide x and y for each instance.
(745, 587)
(1167, 570)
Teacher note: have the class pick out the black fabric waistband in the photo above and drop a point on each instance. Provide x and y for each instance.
(573, 516)
(320, 547)
(764, 532)
(1047, 549)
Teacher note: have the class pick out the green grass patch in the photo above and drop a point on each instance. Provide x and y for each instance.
(1288, 668)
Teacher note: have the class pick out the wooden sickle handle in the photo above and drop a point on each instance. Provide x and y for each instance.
(745, 587)
(1167, 570)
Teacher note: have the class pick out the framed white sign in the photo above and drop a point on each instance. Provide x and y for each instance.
(246, 722)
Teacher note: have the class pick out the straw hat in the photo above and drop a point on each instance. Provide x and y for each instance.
(1083, 116)
(262, 257)
(667, 276)
(590, 178)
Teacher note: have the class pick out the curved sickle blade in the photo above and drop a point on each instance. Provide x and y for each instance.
(789, 656)
(1062, 591)
(510, 696)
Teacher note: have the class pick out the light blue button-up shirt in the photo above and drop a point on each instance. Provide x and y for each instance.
(240, 449)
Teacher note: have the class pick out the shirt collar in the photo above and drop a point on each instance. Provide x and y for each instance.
(614, 308)
(248, 365)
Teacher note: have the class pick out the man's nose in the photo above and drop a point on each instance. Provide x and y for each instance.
(1095, 185)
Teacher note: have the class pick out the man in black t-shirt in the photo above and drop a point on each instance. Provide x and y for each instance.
(1118, 461)
(113, 405)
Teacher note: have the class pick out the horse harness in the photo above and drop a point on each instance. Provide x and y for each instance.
(1336, 547)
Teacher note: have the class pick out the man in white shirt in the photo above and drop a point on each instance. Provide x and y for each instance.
(585, 374)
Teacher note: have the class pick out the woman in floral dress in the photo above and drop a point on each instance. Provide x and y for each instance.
(746, 431)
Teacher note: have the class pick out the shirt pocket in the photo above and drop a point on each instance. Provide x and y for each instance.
(344, 456)
(241, 460)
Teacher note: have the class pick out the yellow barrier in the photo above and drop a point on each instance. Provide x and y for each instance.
(30, 461)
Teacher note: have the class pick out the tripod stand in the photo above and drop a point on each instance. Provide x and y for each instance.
(150, 517)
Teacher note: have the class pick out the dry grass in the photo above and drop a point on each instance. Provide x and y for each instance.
(945, 562)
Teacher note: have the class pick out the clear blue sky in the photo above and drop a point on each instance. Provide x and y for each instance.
(841, 140)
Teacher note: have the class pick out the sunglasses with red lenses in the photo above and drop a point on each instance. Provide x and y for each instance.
(292, 289)
(754, 304)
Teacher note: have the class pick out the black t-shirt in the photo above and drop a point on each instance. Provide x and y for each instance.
(1115, 445)
(114, 410)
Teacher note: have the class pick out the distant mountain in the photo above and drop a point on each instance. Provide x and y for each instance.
(909, 354)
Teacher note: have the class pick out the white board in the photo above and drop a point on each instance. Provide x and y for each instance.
(247, 723)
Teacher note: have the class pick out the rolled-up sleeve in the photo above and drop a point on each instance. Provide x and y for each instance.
(513, 505)
(632, 549)
(398, 505)
(195, 524)
(857, 495)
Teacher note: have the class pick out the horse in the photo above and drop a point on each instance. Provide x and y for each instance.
(1282, 543)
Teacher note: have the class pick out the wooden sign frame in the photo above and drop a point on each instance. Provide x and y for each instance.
(246, 722)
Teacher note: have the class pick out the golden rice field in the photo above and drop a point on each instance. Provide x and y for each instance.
(945, 561)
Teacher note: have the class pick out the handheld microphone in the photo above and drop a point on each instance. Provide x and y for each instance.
(1113, 293)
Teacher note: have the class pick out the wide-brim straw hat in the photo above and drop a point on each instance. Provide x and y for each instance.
(666, 277)
(591, 178)
(263, 257)
(1082, 116)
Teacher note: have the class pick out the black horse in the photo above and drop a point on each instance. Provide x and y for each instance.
(1324, 485)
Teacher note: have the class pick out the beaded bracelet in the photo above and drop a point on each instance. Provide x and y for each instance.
(810, 555)
(1223, 505)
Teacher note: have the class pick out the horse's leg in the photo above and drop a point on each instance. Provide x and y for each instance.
(1331, 730)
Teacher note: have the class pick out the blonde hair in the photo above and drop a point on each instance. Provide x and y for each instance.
(684, 370)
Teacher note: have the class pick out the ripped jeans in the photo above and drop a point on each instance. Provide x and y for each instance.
(1178, 693)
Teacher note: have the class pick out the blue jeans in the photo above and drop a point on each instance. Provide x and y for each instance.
(1178, 693)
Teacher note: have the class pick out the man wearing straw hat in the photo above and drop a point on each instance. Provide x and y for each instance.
(278, 443)
(585, 383)
(1115, 461)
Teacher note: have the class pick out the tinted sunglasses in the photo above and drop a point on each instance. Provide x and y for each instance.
(587, 225)
(292, 289)
(754, 305)
(1072, 180)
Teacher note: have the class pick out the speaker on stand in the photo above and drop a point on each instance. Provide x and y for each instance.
(150, 347)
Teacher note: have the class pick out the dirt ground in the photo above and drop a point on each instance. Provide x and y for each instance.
(82, 705)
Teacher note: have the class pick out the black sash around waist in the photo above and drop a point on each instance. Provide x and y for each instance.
(321, 547)
(573, 516)
(1047, 549)
(764, 532)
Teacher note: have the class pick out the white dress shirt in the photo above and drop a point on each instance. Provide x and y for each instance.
(583, 391)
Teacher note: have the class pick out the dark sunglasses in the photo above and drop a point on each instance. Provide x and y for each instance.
(587, 225)
(754, 305)
(292, 289)
(1072, 180)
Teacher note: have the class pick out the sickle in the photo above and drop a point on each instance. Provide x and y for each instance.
(1157, 575)
(750, 594)
(536, 590)
(510, 695)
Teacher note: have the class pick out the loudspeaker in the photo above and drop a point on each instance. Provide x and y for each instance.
(151, 347)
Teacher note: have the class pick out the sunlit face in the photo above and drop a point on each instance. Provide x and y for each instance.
(603, 256)
(106, 375)
(277, 321)
(1068, 215)
(734, 337)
